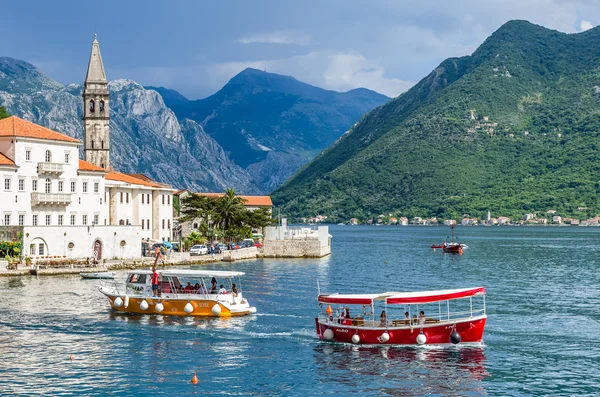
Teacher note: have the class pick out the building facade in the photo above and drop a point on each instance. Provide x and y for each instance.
(75, 208)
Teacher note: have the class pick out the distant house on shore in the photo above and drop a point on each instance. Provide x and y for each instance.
(353, 221)
(556, 219)
(503, 220)
(393, 221)
(404, 221)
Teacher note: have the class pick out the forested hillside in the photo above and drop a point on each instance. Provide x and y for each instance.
(512, 128)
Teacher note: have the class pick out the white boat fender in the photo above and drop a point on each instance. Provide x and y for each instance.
(216, 309)
(328, 334)
(384, 337)
(118, 302)
(421, 339)
(126, 303)
(159, 307)
(355, 338)
(252, 310)
(144, 305)
(455, 337)
(188, 308)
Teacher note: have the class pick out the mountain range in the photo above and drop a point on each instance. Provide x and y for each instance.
(262, 129)
(511, 129)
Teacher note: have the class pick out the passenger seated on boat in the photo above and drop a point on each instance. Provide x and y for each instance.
(222, 290)
(234, 290)
(188, 288)
(383, 321)
(406, 318)
(422, 318)
(213, 287)
(196, 288)
(415, 320)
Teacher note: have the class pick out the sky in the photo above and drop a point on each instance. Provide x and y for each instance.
(195, 47)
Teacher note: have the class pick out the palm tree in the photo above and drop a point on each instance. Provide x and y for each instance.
(230, 211)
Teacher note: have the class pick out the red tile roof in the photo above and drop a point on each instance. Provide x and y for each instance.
(250, 201)
(5, 160)
(14, 126)
(86, 166)
(120, 177)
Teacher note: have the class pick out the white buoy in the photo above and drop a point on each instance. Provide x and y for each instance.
(328, 334)
(144, 305)
(252, 310)
(188, 308)
(126, 303)
(355, 338)
(118, 302)
(384, 337)
(421, 339)
(216, 309)
(159, 307)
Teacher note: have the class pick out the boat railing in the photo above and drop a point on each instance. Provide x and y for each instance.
(370, 321)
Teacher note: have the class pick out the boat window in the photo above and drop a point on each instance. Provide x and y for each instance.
(137, 279)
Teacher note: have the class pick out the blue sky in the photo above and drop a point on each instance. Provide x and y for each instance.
(195, 47)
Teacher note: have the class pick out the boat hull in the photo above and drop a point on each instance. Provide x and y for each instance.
(176, 306)
(470, 331)
(453, 249)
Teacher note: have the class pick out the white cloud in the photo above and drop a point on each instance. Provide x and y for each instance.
(279, 37)
(339, 71)
(585, 25)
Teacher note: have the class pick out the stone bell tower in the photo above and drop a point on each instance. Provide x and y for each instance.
(96, 117)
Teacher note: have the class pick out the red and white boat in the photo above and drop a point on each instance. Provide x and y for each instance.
(459, 316)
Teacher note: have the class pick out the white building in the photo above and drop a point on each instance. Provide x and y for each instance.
(72, 208)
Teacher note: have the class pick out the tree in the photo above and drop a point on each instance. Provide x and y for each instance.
(3, 113)
(230, 211)
(193, 239)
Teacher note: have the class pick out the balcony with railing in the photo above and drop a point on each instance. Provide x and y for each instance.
(50, 168)
(50, 198)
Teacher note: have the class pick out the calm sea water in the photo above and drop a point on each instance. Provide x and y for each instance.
(542, 337)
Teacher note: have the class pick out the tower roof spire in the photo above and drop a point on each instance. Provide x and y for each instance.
(95, 73)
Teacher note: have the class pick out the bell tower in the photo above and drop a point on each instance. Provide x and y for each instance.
(96, 117)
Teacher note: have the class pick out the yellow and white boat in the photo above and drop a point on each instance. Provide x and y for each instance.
(180, 293)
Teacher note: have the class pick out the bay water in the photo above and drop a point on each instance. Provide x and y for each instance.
(542, 336)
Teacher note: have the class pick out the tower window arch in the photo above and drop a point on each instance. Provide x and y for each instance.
(102, 106)
(92, 106)
(48, 186)
(102, 144)
(48, 156)
(92, 144)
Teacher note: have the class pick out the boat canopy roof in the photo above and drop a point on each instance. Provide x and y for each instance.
(352, 299)
(397, 298)
(190, 273)
(433, 296)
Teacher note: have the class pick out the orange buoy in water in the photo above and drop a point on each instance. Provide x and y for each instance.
(194, 379)
(329, 310)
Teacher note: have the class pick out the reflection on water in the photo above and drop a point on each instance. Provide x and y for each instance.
(402, 370)
(542, 335)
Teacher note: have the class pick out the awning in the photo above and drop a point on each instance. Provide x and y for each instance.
(351, 299)
(433, 296)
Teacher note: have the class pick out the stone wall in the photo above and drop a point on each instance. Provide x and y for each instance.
(242, 253)
(309, 248)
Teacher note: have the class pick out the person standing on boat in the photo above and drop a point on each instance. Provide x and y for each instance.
(213, 287)
(155, 282)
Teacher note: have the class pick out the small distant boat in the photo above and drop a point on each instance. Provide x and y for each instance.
(453, 248)
(99, 275)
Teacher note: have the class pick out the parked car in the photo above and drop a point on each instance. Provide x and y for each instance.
(258, 245)
(235, 246)
(198, 250)
(219, 248)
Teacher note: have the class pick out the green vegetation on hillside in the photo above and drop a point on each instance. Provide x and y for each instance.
(511, 129)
